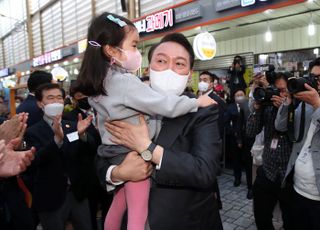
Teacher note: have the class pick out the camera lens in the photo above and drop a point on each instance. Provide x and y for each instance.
(259, 94)
(296, 85)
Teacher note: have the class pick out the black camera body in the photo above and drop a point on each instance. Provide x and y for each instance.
(264, 95)
(296, 84)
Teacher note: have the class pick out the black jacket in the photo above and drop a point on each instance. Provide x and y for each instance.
(181, 196)
(222, 106)
(54, 168)
(29, 105)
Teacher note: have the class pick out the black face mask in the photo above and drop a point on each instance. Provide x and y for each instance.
(84, 104)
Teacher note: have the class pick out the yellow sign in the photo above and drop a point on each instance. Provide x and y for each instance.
(204, 46)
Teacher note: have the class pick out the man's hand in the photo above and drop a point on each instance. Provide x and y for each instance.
(57, 129)
(14, 162)
(310, 96)
(83, 124)
(277, 100)
(13, 128)
(135, 137)
(132, 168)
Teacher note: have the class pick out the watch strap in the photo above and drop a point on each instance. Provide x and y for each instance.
(151, 147)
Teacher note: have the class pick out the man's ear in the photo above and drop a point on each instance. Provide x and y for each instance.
(40, 105)
(110, 51)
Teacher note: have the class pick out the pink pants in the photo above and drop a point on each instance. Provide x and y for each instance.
(135, 197)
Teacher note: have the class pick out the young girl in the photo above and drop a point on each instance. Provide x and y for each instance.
(117, 94)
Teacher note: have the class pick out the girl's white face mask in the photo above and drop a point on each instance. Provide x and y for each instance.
(168, 82)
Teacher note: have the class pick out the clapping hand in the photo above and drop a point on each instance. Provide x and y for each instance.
(83, 124)
(14, 162)
(13, 128)
(57, 129)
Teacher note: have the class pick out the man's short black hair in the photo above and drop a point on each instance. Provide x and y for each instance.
(314, 63)
(177, 38)
(211, 75)
(44, 87)
(38, 78)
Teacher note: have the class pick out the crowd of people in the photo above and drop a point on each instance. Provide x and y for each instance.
(145, 153)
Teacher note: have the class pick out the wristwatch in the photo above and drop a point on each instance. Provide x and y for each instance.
(147, 154)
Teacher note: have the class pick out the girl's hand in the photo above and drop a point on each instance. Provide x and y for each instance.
(134, 137)
(204, 101)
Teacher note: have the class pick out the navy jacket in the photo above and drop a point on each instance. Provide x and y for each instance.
(54, 168)
(29, 105)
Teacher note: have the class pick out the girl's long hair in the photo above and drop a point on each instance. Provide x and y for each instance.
(95, 63)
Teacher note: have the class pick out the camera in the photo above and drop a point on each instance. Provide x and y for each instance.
(296, 84)
(238, 60)
(264, 95)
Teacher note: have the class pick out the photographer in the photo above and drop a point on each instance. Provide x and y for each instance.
(236, 71)
(277, 148)
(304, 162)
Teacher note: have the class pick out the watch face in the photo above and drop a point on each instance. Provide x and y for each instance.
(146, 155)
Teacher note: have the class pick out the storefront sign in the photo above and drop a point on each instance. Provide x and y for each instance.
(4, 72)
(227, 4)
(187, 12)
(204, 46)
(47, 58)
(245, 3)
(82, 45)
(59, 73)
(157, 21)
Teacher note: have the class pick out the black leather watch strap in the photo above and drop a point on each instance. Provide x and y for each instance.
(151, 147)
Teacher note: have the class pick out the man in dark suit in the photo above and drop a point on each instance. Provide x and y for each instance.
(29, 105)
(236, 116)
(186, 154)
(58, 187)
(206, 86)
(96, 194)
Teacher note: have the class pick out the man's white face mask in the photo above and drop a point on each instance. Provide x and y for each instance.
(168, 82)
(53, 109)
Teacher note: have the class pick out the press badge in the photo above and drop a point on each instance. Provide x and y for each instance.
(73, 136)
(303, 157)
(274, 143)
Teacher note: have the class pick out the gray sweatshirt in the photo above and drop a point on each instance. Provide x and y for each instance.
(127, 97)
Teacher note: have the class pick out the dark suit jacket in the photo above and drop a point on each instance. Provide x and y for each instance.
(54, 166)
(29, 105)
(181, 196)
(222, 105)
(238, 119)
(87, 152)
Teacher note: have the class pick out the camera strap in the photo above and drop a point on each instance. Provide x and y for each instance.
(291, 118)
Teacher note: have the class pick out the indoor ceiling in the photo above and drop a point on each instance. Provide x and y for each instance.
(295, 16)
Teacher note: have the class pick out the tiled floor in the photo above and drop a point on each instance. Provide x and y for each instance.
(237, 210)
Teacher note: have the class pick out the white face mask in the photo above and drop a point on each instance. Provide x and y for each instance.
(240, 99)
(53, 109)
(203, 86)
(168, 82)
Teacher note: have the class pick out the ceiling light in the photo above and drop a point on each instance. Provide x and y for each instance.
(65, 63)
(47, 67)
(316, 51)
(268, 35)
(311, 27)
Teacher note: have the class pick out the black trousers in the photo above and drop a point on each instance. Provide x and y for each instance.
(306, 213)
(266, 194)
(242, 158)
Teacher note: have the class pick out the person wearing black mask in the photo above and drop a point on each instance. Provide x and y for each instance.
(96, 194)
